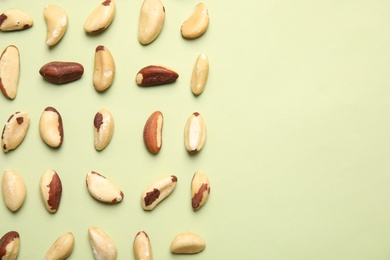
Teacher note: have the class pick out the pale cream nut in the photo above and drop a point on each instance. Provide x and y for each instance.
(51, 190)
(103, 128)
(153, 132)
(195, 133)
(14, 189)
(56, 20)
(9, 71)
(157, 191)
(200, 189)
(14, 131)
(142, 247)
(200, 74)
(101, 17)
(198, 22)
(187, 243)
(51, 127)
(15, 19)
(104, 68)
(103, 189)
(103, 247)
(61, 248)
(9, 245)
(151, 21)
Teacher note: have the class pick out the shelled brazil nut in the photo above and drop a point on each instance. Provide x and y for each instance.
(200, 74)
(61, 248)
(195, 133)
(15, 19)
(103, 128)
(56, 20)
(142, 247)
(200, 189)
(13, 188)
(51, 127)
(51, 190)
(187, 243)
(61, 72)
(154, 75)
(14, 131)
(103, 247)
(151, 21)
(9, 245)
(9, 71)
(103, 189)
(101, 17)
(157, 191)
(198, 22)
(104, 68)
(153, 132)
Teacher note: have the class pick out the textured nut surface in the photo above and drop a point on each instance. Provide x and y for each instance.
(14, 189)
(197, 24)
(14, 131)
(187, 243)
(9, 246)
(151, 21)
(15, 19)
(51, 190)
(60, 72)
(103, 247)
(103, 128)
(158, 191)
(104, 68)
(61, 248)
(101, 17)
(200, 189)
(103, 189)
(195, 133)
(142, 247)
(200, 74)
(155, 75)
(51, 127)
(56, 22)
(153, 132)
(9, 71)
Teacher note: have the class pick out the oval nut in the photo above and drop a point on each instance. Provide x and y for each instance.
(198, 22)
(195, 133)
(14, 189)
(51, 127)
(200, 189)
(51, 190)
(187, 243)
(155, 75)
(101, 17)
(158, 191)
(151, 21)
(9, 71)
(14, 131)
(15, 19)
(153, 132)
(103, 189)
(103, 247)
(9, 246)
(142, 247)
(103, 128)
(200, 74)
(61, 248)
(56, 22)
(104, 68)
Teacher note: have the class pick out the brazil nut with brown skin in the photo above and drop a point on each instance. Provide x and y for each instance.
(103, 128)
(9, 245)
(51, 190)
(153, 132)
(51, 127)
(154, 75)
(200, 189)
(158, 191)
(61, 72)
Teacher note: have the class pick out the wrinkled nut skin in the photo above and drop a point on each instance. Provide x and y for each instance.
(142, 247)
(103, 129)
(9, 246)
(15, 20)
(198, 22)
(103, 247)
(155, 75)
(104, 69)
(51, 190)
(14, 189)
(195, 133)
(200, 189)
(200, 74)
(56, 22)
(153, 132)
(14, 131)
(101, 17)
(61, 72)
(158, 191)
(61, 248)
(151, 22)
(9, 71)
(51, 127)
(187, 243)
(103, 189)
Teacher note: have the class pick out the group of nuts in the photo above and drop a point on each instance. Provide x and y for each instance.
(152, 16)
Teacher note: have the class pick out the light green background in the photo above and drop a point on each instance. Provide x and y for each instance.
(297, 112)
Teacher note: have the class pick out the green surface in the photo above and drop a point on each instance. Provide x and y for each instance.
(297, 111)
